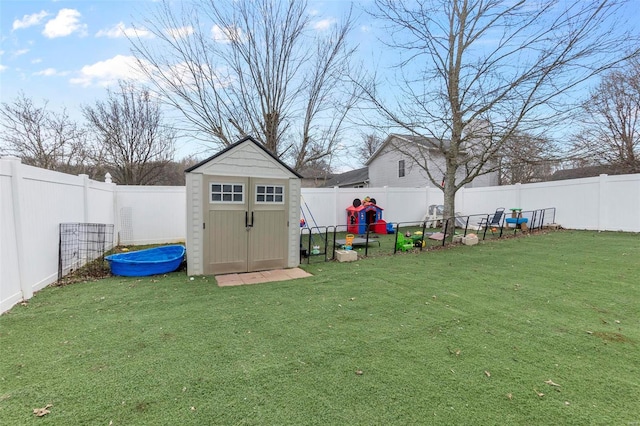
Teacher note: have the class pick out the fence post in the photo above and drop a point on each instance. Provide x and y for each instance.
(426, 198)
(602, 211)
(16, 188)
(336, 193)
(114, 207)
(85, 197)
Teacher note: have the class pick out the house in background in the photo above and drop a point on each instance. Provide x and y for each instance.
(315, 179)
(390, 167)
(358, 178)
(585, 172)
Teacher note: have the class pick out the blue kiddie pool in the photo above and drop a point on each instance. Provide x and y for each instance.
(141, 263)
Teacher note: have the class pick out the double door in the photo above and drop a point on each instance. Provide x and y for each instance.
(246, 224)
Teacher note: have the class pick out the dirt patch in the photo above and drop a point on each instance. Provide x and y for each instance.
(612, 337)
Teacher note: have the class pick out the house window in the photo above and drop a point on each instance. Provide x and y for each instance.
(270, 194)
(401, 168)
(227, 193)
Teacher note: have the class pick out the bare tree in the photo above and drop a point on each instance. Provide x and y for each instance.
(368, 146)
(611, 131)
(132, 140)
(475, 71)
(252, 67)
(526, 158)
(41, 137)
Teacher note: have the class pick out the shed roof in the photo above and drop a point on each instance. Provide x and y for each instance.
(247, 139)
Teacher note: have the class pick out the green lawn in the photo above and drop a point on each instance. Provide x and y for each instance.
(466, 335)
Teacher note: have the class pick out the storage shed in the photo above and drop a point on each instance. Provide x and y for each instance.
(243, 208)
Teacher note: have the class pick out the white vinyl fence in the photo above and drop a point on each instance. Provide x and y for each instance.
(34, 202)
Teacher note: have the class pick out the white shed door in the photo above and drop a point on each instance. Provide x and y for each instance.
(245, 224)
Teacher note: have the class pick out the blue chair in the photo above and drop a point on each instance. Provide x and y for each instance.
(492, 222)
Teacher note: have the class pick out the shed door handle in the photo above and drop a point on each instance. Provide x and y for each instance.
(246, 220)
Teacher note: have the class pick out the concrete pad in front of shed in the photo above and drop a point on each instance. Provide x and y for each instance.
(260, 277)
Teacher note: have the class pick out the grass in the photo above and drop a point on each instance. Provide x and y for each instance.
(467, 335)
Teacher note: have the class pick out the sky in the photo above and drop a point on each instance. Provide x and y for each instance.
(68, 52)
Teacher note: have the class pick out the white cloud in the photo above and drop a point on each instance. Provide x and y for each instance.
(181, 74)
(120, 30)
(36, 61)
(65, 23)
(20, 52)
(47, 72)
(365, 28)
(29, 20)
(180, 32)
(108, 72)
(2, 67)
(324, 24)
(225, 35)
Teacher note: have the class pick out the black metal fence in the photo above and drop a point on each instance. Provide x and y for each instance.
(81, 243)
(321, 242)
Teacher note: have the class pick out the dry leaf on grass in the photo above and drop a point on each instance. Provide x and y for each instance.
(486, 373)
(550, 383)
(39, 412)
(457, 352)
(509, 396)
(540, 394)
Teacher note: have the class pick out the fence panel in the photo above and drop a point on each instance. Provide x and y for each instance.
(33, 202)
(150, 214)
(10, 290)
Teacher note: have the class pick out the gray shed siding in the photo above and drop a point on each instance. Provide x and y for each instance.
(294, 222)
(195, 220)
(245, 160)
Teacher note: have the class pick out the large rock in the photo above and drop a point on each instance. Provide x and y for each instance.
(346, 255)
(470, 240)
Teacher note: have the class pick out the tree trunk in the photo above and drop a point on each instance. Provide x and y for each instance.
(449, 191)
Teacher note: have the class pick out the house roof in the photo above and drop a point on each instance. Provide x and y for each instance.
(241, 141)
(351, 177)
(585, 172)
(429, 143)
